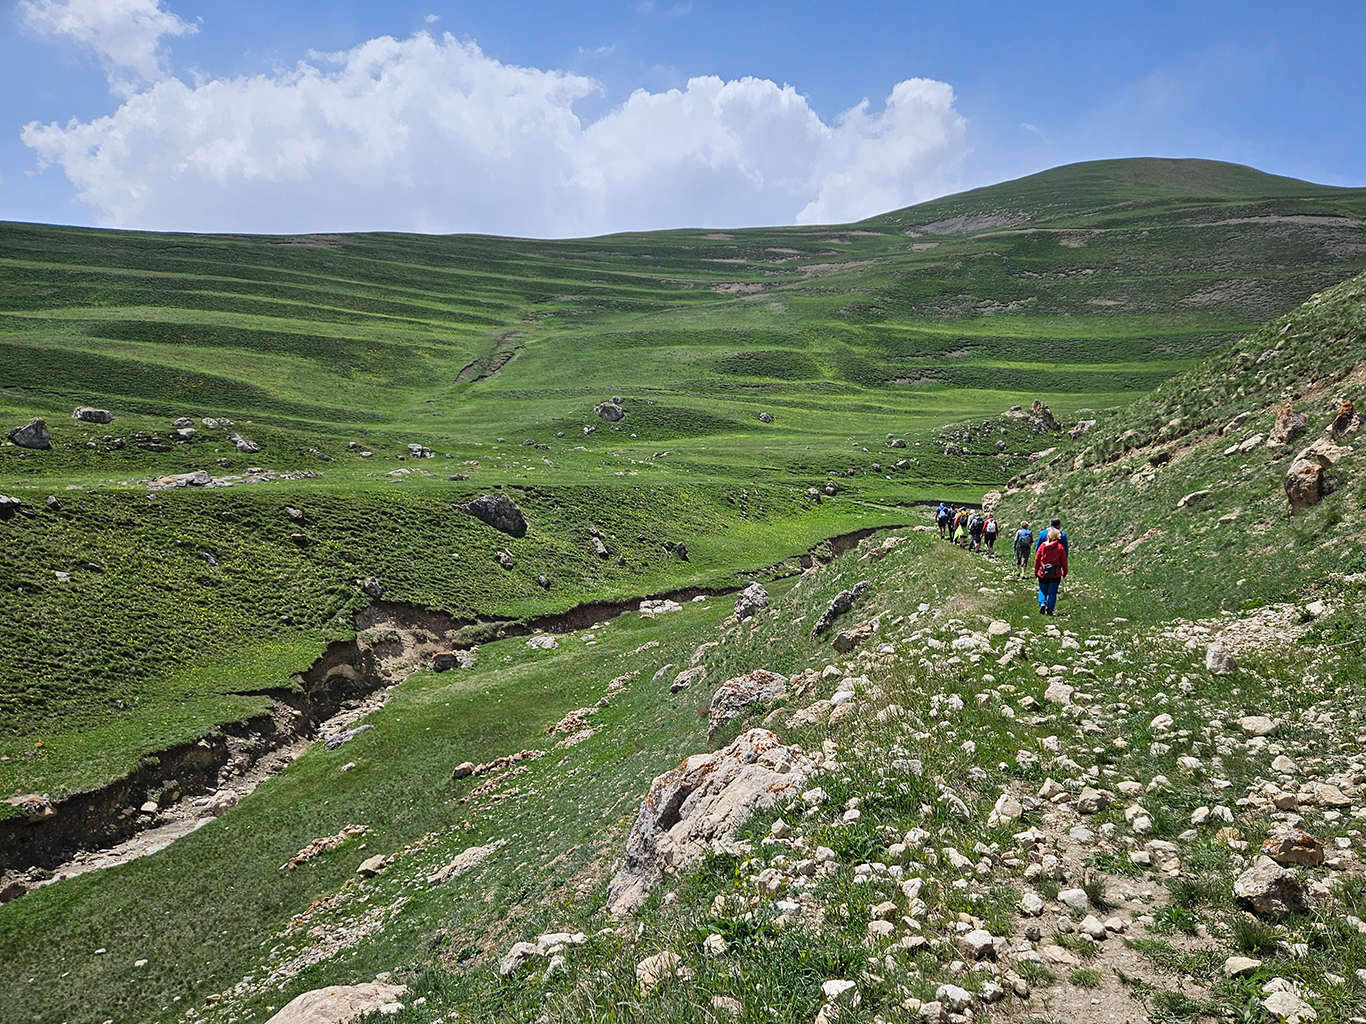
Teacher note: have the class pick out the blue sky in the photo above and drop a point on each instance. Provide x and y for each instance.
(576, 118)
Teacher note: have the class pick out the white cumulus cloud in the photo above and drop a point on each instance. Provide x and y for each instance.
(431, 134)
(125, 34)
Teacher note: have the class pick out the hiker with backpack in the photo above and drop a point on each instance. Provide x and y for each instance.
(989, 534)
(960, 526)
(1050, 567)
(942, 516)
(1024, 544)
(976, 524)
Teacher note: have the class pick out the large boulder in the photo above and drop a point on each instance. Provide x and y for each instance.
(609, 411)
(337, 1004)
(86, 414)
(734, 695)
(752, 599)
(500, 512)
(1304, 484)
(1269, 889)
(700, 805)
(1289, 425)
(1044, 416)
(33, 435)
(839, 604)
(1346, 422)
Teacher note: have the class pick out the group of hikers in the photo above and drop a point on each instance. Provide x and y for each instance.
(977, 531)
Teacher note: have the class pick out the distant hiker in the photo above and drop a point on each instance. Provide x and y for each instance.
(976, 524)
(942, 516)
(989, 534)
(1050, 566)
(1024, 544)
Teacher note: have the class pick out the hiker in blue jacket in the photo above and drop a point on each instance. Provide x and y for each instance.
(942, 516)
(1056, 524)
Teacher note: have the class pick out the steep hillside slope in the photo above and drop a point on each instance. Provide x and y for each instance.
(1193, 477)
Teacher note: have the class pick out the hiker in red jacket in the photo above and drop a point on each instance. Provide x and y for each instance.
(1050, 566)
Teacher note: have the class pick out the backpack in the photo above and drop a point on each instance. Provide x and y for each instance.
(991, 526)
(1050, 570)
(1024, 539)
(975, 524)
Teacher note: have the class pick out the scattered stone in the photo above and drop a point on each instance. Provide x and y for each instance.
(1090, 801)
(1257, 725)
(1044, 416)
(506, 560)
(1289, 845)
(372, 866)
(1193, 499)
(1288, 1007)
(660, 607)
(977, 944)
(1240, 966)
(500, 512)
(1075, 899)
(839, 604)
(609, 411)
(244, 445)
(1007, 809)
(217, 804)
(729, 1004)
(734, 695)
(33, 435)
(1327, 795)
(470, 858)
(1271, 890)
(1218, 660)
(343, 738)
(521, 954)
(841, 992)
(34, 807)
(87, 414)
(1058, 955)
(1059, 692)
(544, 642)
(765, 417)
(752, 599)
(370, 588)
(654, 969)
(1092, 926)
(338, 1004)
(848, 639)
(686, 678)
(700, 805)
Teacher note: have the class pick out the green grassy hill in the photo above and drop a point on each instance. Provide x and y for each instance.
(1085, 286)
(140, 619)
